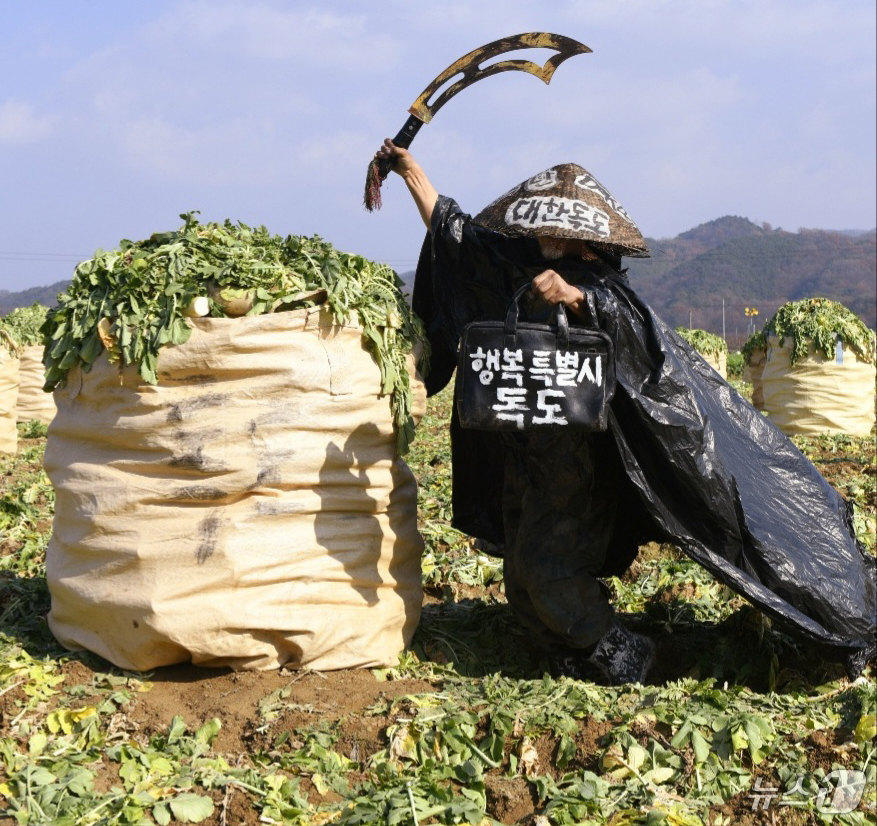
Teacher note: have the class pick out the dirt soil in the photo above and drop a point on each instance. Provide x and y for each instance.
(838, 470)
(200, 694)
(357, 704)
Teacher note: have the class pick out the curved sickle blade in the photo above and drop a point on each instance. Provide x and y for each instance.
(470, 67)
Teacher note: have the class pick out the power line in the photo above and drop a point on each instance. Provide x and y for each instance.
(55, 257)
(50, 256)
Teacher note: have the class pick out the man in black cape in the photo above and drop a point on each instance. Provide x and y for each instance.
(685, 459)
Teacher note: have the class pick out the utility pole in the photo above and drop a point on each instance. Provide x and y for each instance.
(689, 319)
(724, 337)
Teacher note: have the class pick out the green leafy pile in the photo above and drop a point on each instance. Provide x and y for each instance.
(24, 323)
(134, 300)
(735, 364)
(757, 341)
(821, 322)
(7, 343)
(707, 344)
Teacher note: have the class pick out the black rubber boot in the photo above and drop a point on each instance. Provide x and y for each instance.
(623, 656)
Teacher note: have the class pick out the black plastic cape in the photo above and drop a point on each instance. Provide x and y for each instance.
(712, 474)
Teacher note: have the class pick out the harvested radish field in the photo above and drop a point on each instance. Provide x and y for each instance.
(739, 723)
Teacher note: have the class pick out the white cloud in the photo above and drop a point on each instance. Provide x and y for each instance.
(19, 124)
(236, 152)
(735, 25)
(276, 31)
(222, 92)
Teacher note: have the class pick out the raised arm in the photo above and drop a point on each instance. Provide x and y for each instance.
(420, 187)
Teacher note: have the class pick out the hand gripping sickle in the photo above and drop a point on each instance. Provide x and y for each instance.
(470, 68)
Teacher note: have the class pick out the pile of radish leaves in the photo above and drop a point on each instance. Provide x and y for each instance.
(818, 323)
(132, 301)
(24, 323)
(707, 344)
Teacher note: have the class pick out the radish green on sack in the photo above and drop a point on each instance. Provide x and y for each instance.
(136, 299)
(817, 324)
(712, 347)
(9, 364)
(24, 324)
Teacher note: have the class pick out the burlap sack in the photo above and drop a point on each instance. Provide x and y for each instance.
(33, 403)
(816, 394)
(250, 510)
(8, 397)
(752, 374)
(719, 363)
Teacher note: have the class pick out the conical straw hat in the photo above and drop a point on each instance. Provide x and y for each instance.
(565, 201)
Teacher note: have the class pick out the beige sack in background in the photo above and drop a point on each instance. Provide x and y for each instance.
(8, 399)
(816, 394)
(752, 374)
(719, 363)
(33, 403)
(251, 510)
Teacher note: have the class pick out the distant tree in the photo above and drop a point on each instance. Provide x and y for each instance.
(755, 265)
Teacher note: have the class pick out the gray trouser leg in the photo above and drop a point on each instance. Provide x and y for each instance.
(559, 516)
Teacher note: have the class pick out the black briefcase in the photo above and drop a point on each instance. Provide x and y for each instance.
(515, 375)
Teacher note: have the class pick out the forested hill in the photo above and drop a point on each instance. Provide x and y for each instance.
(731, 258)
(752, 265)
(47, 296)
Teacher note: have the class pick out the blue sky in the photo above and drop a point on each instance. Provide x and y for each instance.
(117, 116)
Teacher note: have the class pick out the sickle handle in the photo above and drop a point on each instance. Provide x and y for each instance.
(403, 139)
(379, 169)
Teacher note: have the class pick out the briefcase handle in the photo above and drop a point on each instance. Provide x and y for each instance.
(560, 319)
(511, 320)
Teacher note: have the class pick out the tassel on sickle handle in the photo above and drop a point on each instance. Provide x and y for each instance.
(371, 198)
(379, 169)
